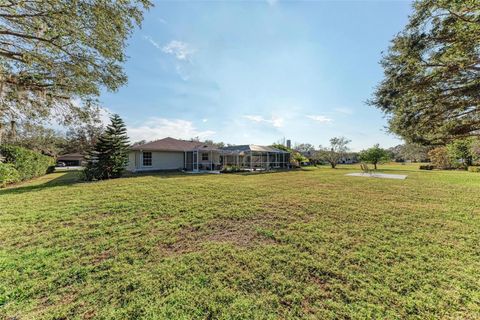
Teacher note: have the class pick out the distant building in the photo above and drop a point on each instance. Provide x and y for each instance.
(349, 158)
(72, 159)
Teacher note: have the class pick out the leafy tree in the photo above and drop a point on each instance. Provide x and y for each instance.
(410, 151)
(56, 55)
(281, 147)
(461, 152)
(82, 138)
(38, 138)
(476, 150)
(338, 148)
(219, 144)
(109, 157)
(431, 86)
(439, 158)
(138, 143)
(374, 155)
(304, 148)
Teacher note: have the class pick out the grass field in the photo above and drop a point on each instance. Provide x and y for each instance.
(310, 244)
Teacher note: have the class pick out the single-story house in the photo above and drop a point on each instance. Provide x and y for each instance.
(72, 159)
(174, 154)
(349, 158)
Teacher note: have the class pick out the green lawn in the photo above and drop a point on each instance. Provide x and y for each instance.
(310, 244)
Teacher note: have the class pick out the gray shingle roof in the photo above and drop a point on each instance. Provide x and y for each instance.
(171, 144)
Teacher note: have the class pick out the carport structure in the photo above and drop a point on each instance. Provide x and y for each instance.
(72, 159)
(254, 157)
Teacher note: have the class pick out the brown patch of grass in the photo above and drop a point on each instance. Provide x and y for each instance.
(243, 233)
(101, 257)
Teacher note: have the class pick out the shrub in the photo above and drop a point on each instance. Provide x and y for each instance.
(230, 169)
(8, 174)
(440, 158)
(28, 163)
(474, 168)
(51, 169)
(427, 167)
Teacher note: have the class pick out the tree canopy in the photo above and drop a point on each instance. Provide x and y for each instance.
(410, 151)
(431, 85)
(56, 55)
(337, 149)
(374, 155)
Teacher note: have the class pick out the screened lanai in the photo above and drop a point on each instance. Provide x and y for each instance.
(254, 157)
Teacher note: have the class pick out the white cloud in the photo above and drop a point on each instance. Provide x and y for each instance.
(320, 118)
(181, 50)
(275, 121)
(344, 110)
(183, 72)
(272, 2)
(204, 120)
(162, 20)
(158, 128)
(152, 42)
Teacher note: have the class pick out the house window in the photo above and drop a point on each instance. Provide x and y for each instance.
(205, 156)
(147, 159)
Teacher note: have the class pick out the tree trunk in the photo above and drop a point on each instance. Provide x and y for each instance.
(13, 131)
(375, 165)
(333, 164)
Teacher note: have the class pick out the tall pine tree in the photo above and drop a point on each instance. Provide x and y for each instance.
(109, 157)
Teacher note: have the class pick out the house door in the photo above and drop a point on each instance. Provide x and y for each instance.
(195, 161)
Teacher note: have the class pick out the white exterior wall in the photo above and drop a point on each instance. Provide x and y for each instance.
(131, 161)
(214, 156)
(161, 160)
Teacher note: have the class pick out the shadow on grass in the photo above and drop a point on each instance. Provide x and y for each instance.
(67, 178)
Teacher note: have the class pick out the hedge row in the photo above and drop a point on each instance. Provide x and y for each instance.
(27, 164)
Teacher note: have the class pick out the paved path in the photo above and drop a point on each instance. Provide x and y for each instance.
(378, 175)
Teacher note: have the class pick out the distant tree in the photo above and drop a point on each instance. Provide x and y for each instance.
(139, 143)
(38, 138)
(281, 147)
(304, 148)
(374, 155)
(109, 157)
(476, 150)
(82, 138)
(281, 141)
(219, 144)
(415, 152)
(439, 158)
(410, 151)
(337, 149)
(57, 55)
(461, 152)
(431, 85)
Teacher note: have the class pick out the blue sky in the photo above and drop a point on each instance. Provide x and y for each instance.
(258, 71)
